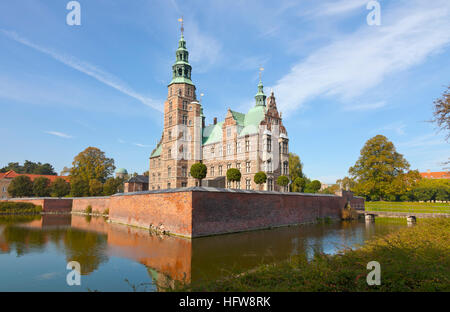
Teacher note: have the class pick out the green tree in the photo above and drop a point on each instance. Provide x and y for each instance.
(283, 181)
(198, 171)
(441, 112)
(41, 187)
(15, 166)
(260, 178)
(313, 187)
(295, 170)
(79, 187)
(233, 175)
(332, 189)
(95, 187)
(92, 164)
(378, 165)
(299, 184)
(59, 188)
(112, 186)
(21, 186)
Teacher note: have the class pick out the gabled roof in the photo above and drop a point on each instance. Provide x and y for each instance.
(212, 133)
(247, 124)
(435, 175)
(12, 174)
(157, 151)
(139, 179)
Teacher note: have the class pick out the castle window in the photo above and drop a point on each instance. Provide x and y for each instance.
(229, 149)
(183, 184)
(228, 166)
(269, 166)
(169, 153)
(190, 108)
(170, 105)
(184, 171)
(185, 105)
(248, 184)
(269, 143)
(170, 134)
(248, 167)
(184, 120)
(285, 147)
(220, 150)
(228, 132)
(220, 170)
(238, 185)
(159, 178)
(238, 166)
(212, 151)
(247, 145)
(212, 171)
(169, 172)
(168, 185)
(170, 120)
(228, 184)
(190, 122)
(270, 184)
(238, 146)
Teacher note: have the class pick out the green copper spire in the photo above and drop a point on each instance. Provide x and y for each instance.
(260, 97)
(181, 70)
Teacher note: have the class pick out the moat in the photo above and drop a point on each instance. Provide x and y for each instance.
(34, 252)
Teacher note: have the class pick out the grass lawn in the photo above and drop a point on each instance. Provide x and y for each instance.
(412, 259)
(408, 207)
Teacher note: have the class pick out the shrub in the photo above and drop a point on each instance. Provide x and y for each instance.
(260, 178)
(233, 175)
(88, 209)
(106, 211)
(15, 207)
(300, 183)
(283, 180)
(198, 171)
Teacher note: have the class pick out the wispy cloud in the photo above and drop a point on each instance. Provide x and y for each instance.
(59, 134)
(351, 65)
(141, 145)
(86, 68)
(120, 141)
(365, 106)
(204, 50)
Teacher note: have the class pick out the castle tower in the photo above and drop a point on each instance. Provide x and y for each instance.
(181, 140)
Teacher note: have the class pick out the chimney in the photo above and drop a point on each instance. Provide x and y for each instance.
(215, 120)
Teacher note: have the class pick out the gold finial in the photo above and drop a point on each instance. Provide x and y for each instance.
(261, 69)
(182, 24)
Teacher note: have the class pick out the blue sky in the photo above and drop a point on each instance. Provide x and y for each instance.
(338, 81)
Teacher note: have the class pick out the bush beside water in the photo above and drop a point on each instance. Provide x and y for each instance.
(17, 208)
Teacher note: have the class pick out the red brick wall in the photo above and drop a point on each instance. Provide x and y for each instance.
(172, 210)
(217, 212)
(98, 204)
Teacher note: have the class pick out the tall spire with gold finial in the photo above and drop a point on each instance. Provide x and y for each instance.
(181, 70)
(260, 97)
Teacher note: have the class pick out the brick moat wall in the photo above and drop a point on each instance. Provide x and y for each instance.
(195, 212)
(166, 210)
(227, 212)
(98, 204)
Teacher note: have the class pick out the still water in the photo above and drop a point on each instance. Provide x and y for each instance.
(35, 250)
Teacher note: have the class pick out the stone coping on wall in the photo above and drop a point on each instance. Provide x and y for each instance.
(224, 190)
